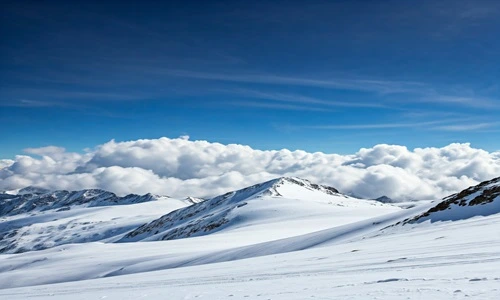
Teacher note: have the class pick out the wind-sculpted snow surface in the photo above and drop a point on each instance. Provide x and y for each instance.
(288, 233)
(237, 209)
(266, 250)
(37, 219)
(480, 200)
(448, 260)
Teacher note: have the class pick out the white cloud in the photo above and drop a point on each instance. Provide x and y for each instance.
(49, 150)
(180, 167)
(5, 163)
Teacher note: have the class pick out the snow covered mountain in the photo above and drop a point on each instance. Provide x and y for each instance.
(384, 199)
(266, 203)
(32, 199)
(36, 219)
(480, 200)
(283, 239)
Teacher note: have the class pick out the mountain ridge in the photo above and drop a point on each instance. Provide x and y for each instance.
(216, 213)
(482, 199)
(37, 219)
(27, 201)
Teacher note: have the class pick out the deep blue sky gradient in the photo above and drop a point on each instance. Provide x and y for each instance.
(329, 76)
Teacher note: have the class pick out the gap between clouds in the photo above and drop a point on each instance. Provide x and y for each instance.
(181, 167)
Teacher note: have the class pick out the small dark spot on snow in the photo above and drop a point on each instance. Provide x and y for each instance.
(397, 259)
(478, 279)
(392, 280)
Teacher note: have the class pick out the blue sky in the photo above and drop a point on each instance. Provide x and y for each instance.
(330, 76)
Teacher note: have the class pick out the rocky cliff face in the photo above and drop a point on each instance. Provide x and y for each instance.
(480, 200)
(35, 199)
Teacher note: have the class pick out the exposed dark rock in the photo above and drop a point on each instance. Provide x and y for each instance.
(481, 194)
(211, 214)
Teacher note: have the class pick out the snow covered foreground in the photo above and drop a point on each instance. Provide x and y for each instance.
(368, 257)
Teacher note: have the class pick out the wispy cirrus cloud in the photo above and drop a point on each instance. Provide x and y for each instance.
(379, 86)
(28, 103)
(67, 105)
(374, 125)
(467, 127)
(447, 124)
(34, 103)
(278, 106)
(65, 95)
(457, 16)
(412, 91)
(297, 98)
(475, 102)
(386, 94)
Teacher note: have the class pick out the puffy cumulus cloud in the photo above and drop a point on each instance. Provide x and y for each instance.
(5, 163)
(180, 167)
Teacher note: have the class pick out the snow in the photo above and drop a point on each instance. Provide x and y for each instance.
(274, 209)
(480, 200)
(289, 241)
(41, 229)
(445, 261)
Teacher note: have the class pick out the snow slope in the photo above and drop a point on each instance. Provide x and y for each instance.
(480, 200)
(260, 219)
(95, 260)
(35, 219)
(291, 240)
(448, 260)
(32, 199)
(290, 201)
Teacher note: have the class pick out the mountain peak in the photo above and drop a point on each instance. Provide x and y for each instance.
(38, 199)
(479, 200)
(193, 200)
(33, 190)
(233, 207)
(306, 184)
(287, 187)
(384, 199)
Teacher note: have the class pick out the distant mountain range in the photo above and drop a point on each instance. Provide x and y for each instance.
(36, 218)
(286, 228)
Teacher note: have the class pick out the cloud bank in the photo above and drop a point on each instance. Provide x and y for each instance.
(180, 167)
